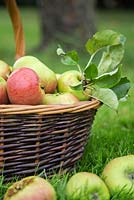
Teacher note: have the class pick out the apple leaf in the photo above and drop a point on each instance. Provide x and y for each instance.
(108, 80)
(106, 96)
(122, 88)
(77, 86)
(68, 58)
(91, 71)
(102, 39)
(111, 59)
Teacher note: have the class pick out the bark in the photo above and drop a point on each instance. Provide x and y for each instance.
(67, 17)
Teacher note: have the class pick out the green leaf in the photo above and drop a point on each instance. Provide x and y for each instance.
(104, 38)
(66, 60)
(73, 55)
(111, 59)
(91, 71)
(77, 87)
(122, 88)
(106, 96)
(69, 58)
(108, 80)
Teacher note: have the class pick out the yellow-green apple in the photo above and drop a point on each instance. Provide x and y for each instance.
(65, 98)
(46, 75)
(118, 175)
(85, 185)
(68, 80)
(5, 69)
(31, 188)
(3, 91)
(24, 87)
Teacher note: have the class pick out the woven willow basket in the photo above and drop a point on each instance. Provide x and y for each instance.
(42, 137)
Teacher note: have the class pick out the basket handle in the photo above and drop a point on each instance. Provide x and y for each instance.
(17, 27)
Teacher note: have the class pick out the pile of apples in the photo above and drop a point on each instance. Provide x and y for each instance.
(30, 82)
(117, 178)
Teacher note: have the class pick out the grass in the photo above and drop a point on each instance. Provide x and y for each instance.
(112, 133)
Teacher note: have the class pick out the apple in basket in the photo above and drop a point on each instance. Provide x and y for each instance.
(65, 98)
(24, 87)
(3, 91)
(46, 75)
(31, 188)
(84, 185)
(118, 175)
(5, 69)
(70, 79)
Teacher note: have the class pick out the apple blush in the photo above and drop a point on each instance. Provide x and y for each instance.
(24, 87)
(31, 188)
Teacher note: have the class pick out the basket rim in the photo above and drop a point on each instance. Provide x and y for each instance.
(10, 109)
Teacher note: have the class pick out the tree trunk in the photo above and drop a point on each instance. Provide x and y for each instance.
(67, 17)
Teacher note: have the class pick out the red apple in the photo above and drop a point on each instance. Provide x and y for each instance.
(46, 75)
(3, 91)
(24, 87)
(31, 188)
(5, 69)
(65, 98)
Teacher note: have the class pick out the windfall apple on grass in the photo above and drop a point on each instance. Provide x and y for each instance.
(31, 188)
(85, 185)
(118, 175)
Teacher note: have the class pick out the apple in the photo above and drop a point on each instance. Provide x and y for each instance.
(46, 75)
(65, 98)
(3, 91)
(5, 69)
(118, 175)
(31, 188)
(58, 76)
(69, 79)
(85, 185)
(24, 87)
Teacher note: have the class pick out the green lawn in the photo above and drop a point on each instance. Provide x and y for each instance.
(112, 133)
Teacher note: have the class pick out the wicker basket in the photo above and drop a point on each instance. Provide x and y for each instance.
(42, 137)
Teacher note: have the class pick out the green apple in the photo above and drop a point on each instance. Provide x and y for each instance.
(65, 98)
(46, 75)
(31, 188)
(69, 79)
(5, 69)
(118, 175)
(3, 91)
(86, 186)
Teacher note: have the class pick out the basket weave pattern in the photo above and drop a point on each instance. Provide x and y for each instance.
(30, 143)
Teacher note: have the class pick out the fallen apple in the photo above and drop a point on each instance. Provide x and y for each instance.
(68, 80)
(46, 75)
(3, 91)
(84, 186)
(65, 98)
(24, 87)
(118, 175)
(31, 188)
(5, 69)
